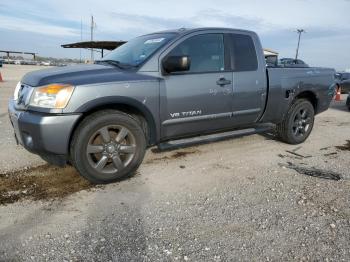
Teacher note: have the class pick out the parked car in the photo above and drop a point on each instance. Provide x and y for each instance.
(158, 89)
(45, 63)
(28, 62)
(1, 62)
(343, 80)
(348, 102)
(8, 61)
(290, 62)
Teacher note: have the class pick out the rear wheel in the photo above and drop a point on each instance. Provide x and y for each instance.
(108, 146)
(298, 122)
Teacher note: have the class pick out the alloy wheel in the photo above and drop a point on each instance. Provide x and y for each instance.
(302, 122)
(111, 148)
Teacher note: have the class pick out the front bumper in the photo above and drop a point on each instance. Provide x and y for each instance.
(42, 134)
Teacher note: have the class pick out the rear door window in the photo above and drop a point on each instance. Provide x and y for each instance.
(243, 53)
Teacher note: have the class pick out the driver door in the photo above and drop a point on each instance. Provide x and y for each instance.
(200, 99)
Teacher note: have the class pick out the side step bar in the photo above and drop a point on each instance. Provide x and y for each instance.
(187, 142)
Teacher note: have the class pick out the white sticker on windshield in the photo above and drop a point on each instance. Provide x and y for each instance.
(155, 40)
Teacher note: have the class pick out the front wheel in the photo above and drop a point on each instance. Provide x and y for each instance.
(107, 146)
(298, 122)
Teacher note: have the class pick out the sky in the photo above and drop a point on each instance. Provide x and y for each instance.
(41, 26)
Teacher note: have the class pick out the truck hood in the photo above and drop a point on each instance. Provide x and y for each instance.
(82, 75)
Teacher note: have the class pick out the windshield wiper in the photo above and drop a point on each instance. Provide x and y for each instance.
(114, 63)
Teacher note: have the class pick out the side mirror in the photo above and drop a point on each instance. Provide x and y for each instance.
(176, 64)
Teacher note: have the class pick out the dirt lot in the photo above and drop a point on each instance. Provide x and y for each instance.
(246, 199)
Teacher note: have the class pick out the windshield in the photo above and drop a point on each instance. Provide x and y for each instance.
(137, 50)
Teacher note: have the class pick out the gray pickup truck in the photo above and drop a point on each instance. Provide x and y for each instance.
(162, 87)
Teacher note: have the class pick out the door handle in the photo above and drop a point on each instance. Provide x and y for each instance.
(223, 82)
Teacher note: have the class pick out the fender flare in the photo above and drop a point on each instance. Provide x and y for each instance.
(126, 101)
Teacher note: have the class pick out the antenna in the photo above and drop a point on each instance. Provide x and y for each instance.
(299, 31)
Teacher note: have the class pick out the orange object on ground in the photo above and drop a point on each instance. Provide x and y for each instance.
(338, 95)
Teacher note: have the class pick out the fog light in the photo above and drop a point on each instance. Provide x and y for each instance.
(28, 140)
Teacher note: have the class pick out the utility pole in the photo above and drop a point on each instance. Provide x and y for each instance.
(299, 31)
(92, 37)
(81, 35)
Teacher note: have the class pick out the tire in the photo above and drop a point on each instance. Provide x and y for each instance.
(107, 146)
(297, 123)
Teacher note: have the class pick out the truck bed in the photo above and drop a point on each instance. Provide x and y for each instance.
(284, 84)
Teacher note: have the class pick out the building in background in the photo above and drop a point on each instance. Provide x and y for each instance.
(271, 57)
(270, 52)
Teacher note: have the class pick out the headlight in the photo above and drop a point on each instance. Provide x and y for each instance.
(18, 87)
(52, 96)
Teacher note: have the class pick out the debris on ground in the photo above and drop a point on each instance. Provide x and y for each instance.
(314, 172)
(40, 183)
(297, 148)
(331, 154)
(180, 154)
(296, 154)
(175, 155)
(345, 147)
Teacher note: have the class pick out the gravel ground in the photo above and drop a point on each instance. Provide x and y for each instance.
(244, 199)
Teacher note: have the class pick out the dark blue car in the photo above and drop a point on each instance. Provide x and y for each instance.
(343, 81)
(291, 62)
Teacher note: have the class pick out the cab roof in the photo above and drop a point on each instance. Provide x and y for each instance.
(181, 31)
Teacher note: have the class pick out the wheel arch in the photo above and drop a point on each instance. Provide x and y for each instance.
(126, 105)
(311, 96)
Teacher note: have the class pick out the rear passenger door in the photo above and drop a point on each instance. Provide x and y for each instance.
(249, 78)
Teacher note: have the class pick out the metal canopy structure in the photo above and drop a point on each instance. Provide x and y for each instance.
(270, 52)
(102, 45)
(17, 52)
